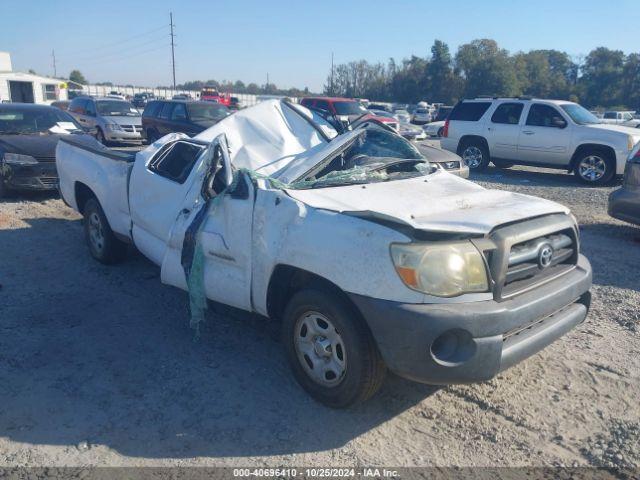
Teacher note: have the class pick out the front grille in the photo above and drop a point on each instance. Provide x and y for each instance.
(532, 258)
(524, 255)
(46, 159)
(49, 181)
(132, 128)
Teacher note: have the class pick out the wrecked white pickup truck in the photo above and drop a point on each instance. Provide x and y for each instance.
(372, 257)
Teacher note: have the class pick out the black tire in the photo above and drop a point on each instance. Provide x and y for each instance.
(475, 155)
(502, 164)
(152, 136)
(595, 167)
(100, 137)
(364, 369)
(103, 245)
(4, 190)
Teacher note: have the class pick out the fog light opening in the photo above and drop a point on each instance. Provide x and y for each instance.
(453, 348)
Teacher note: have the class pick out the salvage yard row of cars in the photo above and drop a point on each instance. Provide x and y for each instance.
(253, 211)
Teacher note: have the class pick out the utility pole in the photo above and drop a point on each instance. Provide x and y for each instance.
(331, 73)
(173, 56)
(55, 71)
(266, 88)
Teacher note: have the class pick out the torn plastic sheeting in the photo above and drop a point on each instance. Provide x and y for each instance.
(192, 256)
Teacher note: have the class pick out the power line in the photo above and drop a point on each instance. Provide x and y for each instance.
(119, 42)
(119, 52)
(123, 57)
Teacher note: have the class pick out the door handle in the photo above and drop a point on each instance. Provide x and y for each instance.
(489, 128)
(528, 132)
(186, 211)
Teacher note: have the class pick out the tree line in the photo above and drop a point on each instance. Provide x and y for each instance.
(240, 87)
(603, 78)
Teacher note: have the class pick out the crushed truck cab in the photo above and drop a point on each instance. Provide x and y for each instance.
(372, 257)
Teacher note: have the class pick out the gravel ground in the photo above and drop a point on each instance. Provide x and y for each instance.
(98, 367)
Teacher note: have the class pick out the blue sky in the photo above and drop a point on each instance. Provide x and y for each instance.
(127, 41)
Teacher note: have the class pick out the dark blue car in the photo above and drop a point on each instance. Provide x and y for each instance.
(28, 137)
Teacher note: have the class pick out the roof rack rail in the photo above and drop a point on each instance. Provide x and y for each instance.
(494, 97)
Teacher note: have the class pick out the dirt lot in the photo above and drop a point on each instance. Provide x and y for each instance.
(98, 367)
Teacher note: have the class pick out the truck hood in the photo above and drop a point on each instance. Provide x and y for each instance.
(616, 128)
(439, 202)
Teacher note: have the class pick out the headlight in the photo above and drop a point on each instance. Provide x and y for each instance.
(18, 159)
(630, 143)
(114, 127)
(443, 270)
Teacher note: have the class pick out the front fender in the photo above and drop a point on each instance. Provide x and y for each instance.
(350, 252)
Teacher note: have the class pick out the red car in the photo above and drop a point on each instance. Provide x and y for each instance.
(345, 109)
(211, 94)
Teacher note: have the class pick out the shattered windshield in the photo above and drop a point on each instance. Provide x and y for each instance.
(373, 155)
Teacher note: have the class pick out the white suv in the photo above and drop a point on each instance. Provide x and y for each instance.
(547, 133)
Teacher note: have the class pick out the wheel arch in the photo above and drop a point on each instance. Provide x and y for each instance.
(286, 280)
(587, 147)
(466, 139)
(82, 194)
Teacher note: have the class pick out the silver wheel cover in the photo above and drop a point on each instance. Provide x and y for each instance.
(592, 168)
(472, 156)
(96, 235)
(320, 349)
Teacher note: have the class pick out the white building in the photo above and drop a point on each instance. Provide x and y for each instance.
(26, 87)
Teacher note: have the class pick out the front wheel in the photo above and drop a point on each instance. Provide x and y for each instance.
(100, 137)
(331, 351)
(475, 155)
(595, 167)
(152, 136)
(103, 244)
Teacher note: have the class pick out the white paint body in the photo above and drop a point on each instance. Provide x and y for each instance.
(548, 146)
(244, 239)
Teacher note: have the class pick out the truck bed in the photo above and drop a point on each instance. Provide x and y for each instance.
(84, 163)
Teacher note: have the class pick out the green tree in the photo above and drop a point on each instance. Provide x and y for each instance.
(631, 82)
(602, 77)
(441, 82)
(76, 76)
(487, 69)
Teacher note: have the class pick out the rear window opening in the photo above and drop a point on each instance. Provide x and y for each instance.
(469, 111)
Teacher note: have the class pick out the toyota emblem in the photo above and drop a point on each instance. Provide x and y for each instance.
(545, 255)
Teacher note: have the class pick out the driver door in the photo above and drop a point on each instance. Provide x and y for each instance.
(223, 218)
(545, 137)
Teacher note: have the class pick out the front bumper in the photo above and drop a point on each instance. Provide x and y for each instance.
(491, 336)
(42, 176)
(124, 137)
(624, 204)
